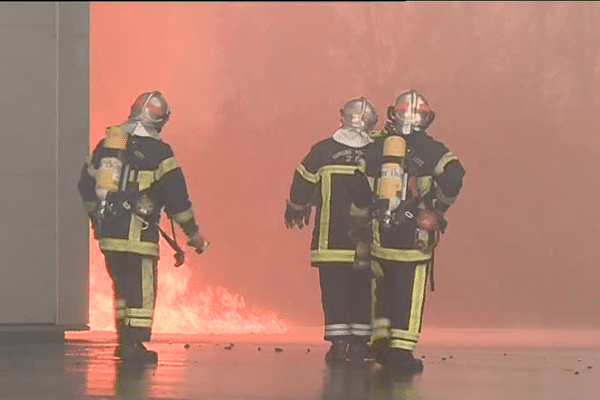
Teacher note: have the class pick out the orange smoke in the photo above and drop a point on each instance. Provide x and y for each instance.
(179, 308)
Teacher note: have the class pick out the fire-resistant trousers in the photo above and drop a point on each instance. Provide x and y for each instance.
(346, 299)
(134, 289)
(399, 301)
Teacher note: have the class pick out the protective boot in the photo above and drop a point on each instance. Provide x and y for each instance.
(379, 354)
(136, 353)
(338, 352)
(358, 350)
(120, 340)
(148, 356)
(403, 361)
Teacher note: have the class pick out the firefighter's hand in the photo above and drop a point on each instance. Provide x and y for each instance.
(388, 128)
(442, 223)
(383, 132)
(296, 215)
(198, 242)
(440, 209)
(362, 257)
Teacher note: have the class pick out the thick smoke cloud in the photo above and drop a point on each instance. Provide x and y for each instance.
(253, 86)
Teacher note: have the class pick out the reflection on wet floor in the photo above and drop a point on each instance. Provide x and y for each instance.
(214, 368)
(361, 382)
(261, 371)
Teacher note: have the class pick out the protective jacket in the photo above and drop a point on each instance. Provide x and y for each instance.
(151, 180)
(325, 178)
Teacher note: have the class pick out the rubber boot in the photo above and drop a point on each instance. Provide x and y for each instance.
(358, 350)
(136, 353)
(147, 356)
(338, 352)
(403, 361)
(380, 354)
(120, 340)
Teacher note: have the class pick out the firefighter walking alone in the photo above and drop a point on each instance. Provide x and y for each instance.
(131, 176)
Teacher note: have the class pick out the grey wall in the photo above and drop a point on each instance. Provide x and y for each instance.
(44, 114)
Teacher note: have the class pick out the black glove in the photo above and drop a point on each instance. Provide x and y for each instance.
(296, 215)
(442, 223)
(361, 234)
(440, 209)
(198, 242)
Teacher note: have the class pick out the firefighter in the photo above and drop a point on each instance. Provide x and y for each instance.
(125, 184)
(324, 179)
(414, 179)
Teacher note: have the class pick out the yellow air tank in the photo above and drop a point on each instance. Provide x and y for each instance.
(116, 138)
(109, 171)
(391, 183)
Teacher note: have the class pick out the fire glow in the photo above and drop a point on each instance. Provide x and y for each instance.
(178, 309)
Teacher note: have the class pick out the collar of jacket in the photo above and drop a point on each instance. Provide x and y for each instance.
(352, 137)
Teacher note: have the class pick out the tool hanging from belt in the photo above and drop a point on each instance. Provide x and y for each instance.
(179, 253)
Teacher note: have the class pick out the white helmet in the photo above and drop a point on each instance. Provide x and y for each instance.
(360, 114)
(410, 112)
(151, 109)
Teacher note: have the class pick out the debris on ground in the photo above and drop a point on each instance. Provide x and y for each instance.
(187, 346)
(278, 349)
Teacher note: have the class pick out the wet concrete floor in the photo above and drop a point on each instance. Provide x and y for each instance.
(232, 367)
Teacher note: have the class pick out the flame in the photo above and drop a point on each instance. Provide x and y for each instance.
(178, 309)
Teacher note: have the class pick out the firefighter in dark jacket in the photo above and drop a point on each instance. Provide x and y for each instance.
(414, 179)
(125, 184)
(325, 178)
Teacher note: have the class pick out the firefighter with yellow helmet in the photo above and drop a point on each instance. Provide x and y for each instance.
(325, 178)
(414, 179)
(131, 176)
